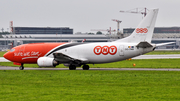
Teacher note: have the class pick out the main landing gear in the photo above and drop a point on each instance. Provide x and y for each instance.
(85, 67)
(21, 67)
(73, 67)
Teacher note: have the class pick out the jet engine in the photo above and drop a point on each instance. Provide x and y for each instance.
(47, 62)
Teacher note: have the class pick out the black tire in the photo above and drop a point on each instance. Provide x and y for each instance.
(85, 67)
(21, 68)
(72, 67)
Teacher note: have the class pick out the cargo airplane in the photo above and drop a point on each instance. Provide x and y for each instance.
(80, 54)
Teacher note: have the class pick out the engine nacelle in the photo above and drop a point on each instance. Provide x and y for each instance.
(47, 62)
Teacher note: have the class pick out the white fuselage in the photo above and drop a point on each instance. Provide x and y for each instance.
(103, 52)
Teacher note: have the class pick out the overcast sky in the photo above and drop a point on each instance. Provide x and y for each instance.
(84, 15)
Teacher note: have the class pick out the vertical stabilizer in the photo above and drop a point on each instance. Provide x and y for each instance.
(145, 29)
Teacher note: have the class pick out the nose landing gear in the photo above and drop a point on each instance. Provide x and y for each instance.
(21, 67)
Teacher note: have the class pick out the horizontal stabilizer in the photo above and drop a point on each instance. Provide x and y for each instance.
(144, 44)
(161, 44)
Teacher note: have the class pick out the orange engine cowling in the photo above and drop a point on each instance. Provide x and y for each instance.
(47, 62)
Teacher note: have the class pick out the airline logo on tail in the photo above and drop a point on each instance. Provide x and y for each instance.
(141, 30)
(105, 50)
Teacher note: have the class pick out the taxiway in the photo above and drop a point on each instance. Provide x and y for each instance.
(120, 69)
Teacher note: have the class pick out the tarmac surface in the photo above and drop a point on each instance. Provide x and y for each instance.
(171, 56)
(2, 59)
(119, 69)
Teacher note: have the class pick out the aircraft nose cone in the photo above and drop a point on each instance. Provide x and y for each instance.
(7, 56)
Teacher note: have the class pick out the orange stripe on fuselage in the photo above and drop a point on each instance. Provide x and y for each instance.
(29, 53)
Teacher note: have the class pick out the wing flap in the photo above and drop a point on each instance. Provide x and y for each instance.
(62, 57)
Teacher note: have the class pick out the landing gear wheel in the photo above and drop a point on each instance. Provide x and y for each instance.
(85, 67)
(21, 67)
(72, 67)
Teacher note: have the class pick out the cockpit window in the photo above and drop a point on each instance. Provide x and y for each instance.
(12, 50)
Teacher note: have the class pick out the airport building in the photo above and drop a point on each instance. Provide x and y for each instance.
(24, 35)
(12, 40)
(41, 30)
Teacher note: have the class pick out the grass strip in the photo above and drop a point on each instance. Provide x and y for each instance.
(2, 53)
(89, 85)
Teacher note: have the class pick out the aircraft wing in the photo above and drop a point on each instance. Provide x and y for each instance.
(63, 58)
